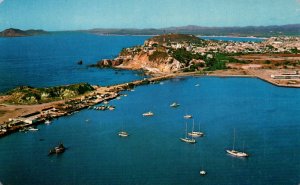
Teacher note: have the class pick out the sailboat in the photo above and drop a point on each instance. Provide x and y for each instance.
(202, 172)
(186, 139)
(196, 133)
(235, 152)
(148, 113)
(123, 133)
(174, 105)
(187, 116)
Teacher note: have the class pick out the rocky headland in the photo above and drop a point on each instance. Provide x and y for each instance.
(12, 32)
(173, 53)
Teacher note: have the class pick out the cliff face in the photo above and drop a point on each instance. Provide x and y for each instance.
(143, 61)
(157, 55)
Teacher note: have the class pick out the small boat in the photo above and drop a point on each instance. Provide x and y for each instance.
(32, 129)
(237, 153)
(197, 85)
(111, 108)
(118, 98)
(57, 150)
(124, 95)
(24, 129)
(47, 122)
(105, 102)
(188, 116)
(174, 105)
(186, 139)
(148, 113)
(234, 152)
(196, 133)
(202, 172)
(123, 134)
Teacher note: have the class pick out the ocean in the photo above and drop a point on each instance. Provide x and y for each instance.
(265, 118)
(50, 60)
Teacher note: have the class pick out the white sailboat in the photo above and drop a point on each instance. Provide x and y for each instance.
(187, 139)
(174, 105)
(202, 172)
(235, 152)
(123, 133)
(187, 116)
(196, 133)
(148, 113)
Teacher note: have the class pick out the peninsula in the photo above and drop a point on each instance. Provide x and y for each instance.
(276, 59)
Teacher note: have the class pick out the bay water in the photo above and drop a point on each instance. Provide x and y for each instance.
(265, 117)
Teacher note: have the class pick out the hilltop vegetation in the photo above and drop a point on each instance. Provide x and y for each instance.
(30, 95)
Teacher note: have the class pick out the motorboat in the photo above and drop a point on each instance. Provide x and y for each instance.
(57, 150)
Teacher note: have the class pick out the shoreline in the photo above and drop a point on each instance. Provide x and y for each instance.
(100, 95)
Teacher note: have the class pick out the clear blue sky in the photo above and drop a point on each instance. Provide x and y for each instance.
(85, 14)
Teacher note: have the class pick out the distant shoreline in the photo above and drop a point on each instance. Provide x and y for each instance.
(228, 36)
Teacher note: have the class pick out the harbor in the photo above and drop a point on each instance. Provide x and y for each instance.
(30, 115)
(37, 114)
(95, 146)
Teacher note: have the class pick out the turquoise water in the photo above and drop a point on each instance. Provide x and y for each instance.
(51, 60)
(266, 118)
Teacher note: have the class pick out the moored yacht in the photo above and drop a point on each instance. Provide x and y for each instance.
(174, 105)
(47, 122)
(57, 150)
(187, 139)
(234, 152)
(123, 134)
(196, 133)
(237, 153)
(32, 129)
(187, 116)
(202, 172)
(148, 113)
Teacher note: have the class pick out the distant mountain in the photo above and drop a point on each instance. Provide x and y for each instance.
(290, 29)
(12, 32)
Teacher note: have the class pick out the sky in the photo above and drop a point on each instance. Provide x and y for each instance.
(56, 15)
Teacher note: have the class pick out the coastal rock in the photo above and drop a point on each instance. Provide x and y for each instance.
(108, 63)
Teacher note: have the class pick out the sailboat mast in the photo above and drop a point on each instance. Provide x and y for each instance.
(185, 129)
(233, 139)
(193, 125)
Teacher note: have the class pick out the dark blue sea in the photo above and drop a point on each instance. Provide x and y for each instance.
(266, 120)
(51, 60)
